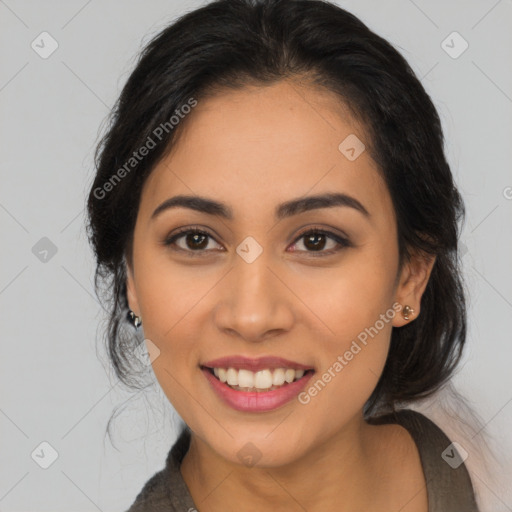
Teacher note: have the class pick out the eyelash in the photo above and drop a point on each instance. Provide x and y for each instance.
(342, 242)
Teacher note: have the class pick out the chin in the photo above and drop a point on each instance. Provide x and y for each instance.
(261, 448)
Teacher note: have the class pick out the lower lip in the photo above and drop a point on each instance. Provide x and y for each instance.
(257, 401)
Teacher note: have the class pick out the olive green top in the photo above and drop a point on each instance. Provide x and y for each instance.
(449, 487)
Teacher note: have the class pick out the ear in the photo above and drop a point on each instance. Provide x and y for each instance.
(131, 293)
(412, 283)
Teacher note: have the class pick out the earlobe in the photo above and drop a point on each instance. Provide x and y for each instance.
(130, 290)
(413, 281)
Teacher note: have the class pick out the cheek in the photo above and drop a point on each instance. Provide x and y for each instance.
(350, 297)
(350, 370)
(170, 309)
(354, 304)
(169, 295)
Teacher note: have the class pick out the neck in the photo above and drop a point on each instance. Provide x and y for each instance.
(334, 475)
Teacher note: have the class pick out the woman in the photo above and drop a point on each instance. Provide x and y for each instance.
(273, 206)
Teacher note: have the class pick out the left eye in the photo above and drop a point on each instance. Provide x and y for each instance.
(315, 240)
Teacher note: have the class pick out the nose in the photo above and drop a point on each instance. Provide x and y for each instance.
(254, 303)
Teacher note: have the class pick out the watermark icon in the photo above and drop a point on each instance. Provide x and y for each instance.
(454, 455)
(342, 360)
(44, 249)
(351, 147)
(151, 142)
(146, 352)
(249, 249)
(454, 45)
(44, 455)
(249, 455)
(44, 45)
(507, 192)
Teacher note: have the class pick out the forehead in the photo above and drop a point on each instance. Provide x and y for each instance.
(258, 146)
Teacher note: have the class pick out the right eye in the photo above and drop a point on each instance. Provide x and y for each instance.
(195, 239)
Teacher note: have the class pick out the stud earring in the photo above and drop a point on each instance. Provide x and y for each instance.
(406, 311)
(134, 319)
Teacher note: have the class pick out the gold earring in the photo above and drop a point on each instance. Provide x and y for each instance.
(406, 311)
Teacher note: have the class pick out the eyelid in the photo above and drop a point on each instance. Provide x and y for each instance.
(331, 232)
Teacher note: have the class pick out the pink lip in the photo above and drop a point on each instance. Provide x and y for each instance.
(254, 365)
(255, 401)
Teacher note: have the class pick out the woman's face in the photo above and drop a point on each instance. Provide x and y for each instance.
(254, 288)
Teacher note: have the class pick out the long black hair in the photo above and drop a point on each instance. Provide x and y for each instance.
(228, 44)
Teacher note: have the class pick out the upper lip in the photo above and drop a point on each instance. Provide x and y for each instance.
(254, 365)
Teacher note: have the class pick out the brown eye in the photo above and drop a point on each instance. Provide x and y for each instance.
(194, 240)
(316, 240)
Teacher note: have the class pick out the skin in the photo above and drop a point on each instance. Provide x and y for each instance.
(253, 149)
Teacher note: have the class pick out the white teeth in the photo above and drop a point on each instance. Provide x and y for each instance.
(263, 379)
(232, 377)
(289, 375)
(245, 379)
(260, 380)
(278, 377)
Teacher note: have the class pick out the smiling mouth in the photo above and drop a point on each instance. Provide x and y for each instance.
(260, 381)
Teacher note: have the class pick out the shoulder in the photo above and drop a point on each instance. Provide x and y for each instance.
(154, 495)
(166, 490)
(449, 486)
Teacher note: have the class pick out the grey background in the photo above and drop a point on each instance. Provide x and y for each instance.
(54, 387)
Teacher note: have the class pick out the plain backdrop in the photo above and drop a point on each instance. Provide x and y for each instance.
(55, 388)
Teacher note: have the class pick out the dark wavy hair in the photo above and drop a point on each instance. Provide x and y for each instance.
(229, 44)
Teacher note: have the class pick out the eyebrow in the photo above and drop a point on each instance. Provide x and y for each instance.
(284, 210)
